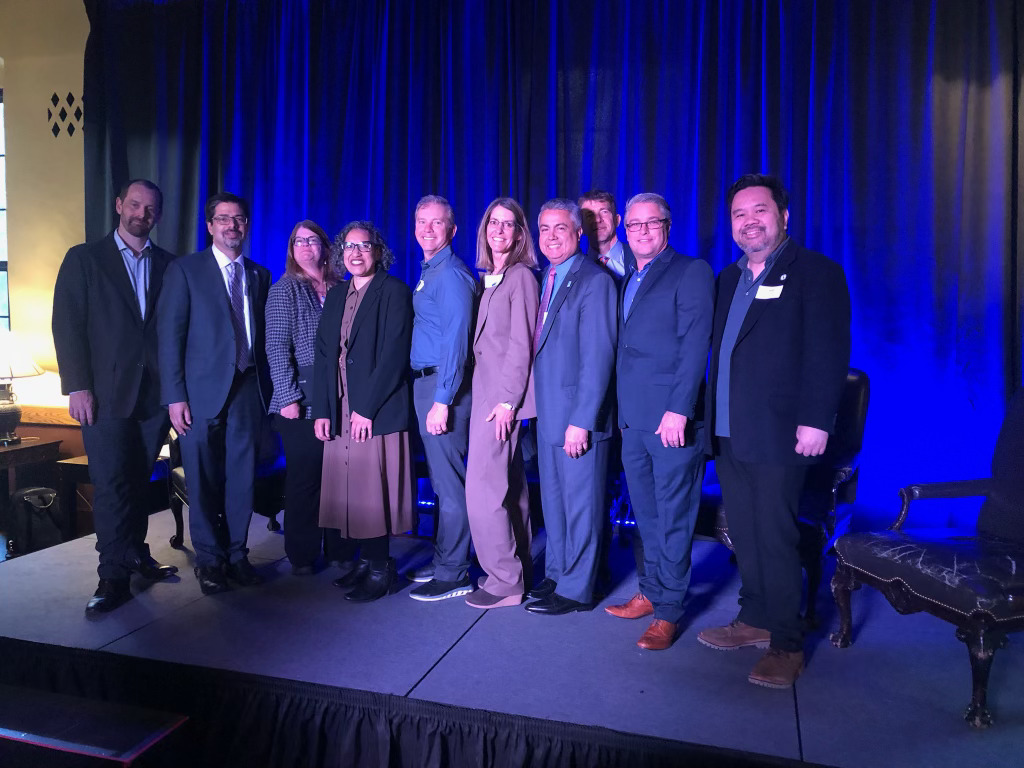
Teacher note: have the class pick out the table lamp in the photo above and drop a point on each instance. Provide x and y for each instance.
(15, 363)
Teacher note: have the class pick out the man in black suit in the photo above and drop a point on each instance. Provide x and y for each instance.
(104, 332)
(216, 383)
(664, 335)
(779, 359)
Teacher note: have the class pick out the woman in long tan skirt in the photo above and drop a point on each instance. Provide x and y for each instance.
(363, 408)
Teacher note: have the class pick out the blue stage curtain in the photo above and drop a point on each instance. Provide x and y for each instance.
(895, 125)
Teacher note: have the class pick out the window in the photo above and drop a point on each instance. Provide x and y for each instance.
(5, 309)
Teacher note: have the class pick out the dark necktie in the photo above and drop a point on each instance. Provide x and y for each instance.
(545, 300)
(238, 316)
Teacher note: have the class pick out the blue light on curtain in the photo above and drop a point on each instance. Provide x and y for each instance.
(894, 125)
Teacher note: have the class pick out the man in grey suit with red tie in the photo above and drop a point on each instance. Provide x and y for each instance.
(664, 336)
(104, 332)
(574, 356)
(779, 360)
(216, 383)
(600, 225)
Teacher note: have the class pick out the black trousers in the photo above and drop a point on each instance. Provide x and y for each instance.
(304, 539)
(762, 502)
(121, 457)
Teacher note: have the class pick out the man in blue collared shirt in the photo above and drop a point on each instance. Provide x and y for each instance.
(443, 302)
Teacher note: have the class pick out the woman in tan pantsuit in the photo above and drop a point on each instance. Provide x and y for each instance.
(496, 495)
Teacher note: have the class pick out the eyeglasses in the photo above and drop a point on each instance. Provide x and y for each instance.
(364, 246)
(312, 242)
(223, 219)
(502, 225)
(653, 224)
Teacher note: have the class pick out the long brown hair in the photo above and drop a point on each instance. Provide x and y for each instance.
(291, 266)
(522, 251)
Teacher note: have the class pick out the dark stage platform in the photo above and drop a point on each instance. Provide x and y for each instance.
(291, 674)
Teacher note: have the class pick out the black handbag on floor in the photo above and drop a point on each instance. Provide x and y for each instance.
(35, 520)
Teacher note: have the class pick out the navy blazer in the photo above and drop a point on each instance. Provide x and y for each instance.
(377, 357)
(663, 343)
(791, 356)
(197, 338)
(103, 343)
(575, 356)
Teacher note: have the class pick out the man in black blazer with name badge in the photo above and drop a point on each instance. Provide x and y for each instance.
(215, 381)
(779, 359)
(664, 335)
(104, 332)
(574, 356)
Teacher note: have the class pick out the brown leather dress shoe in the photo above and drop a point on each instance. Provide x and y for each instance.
(777, 668)
(659, 636)
(637, 607)
(734, 635)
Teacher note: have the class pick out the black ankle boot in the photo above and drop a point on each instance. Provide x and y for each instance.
(355, 576)
(378, 582)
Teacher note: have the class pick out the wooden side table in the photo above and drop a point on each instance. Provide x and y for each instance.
(30, 452)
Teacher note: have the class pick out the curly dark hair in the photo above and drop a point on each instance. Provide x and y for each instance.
(385, 256)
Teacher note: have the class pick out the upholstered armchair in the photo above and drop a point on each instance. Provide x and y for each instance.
(973, 581)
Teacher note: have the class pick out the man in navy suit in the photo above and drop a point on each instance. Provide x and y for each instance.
(779, 360)
(104, 332)
(216, 383)
(664, 336)
(574, 355)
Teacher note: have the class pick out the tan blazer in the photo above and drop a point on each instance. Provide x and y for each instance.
(503, 343)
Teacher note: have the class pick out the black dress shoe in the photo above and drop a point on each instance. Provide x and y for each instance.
(543, 589)
(152, 570)
(110, 594)
(378, 582)
(556, 605)
(355, 576)
(211, 579)
(242, 573)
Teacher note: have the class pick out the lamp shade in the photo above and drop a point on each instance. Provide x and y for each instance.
(15, 360)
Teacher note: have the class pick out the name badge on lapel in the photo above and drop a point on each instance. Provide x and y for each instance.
(768, 292)
(492, 280)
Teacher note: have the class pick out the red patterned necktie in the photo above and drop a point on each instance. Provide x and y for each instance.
(545, 300)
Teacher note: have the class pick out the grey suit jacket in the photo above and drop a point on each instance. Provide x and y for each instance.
(575, 358)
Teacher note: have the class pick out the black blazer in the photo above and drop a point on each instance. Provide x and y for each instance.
(103, 344)
(663, 344)
(197, 339)
(377, 358)
(791, 357)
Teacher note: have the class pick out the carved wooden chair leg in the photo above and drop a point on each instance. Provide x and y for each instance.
(177, 509)
(982, 645)
(843, 583)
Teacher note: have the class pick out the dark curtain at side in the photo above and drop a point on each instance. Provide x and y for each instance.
(895, 126)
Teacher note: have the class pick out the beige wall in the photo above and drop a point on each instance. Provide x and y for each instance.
(42, 46)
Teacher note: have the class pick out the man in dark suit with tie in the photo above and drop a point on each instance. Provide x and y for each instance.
(216, 383)
(600, 225)
(664, 335)
(779, 359)
(574, 355)
(104, 332)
